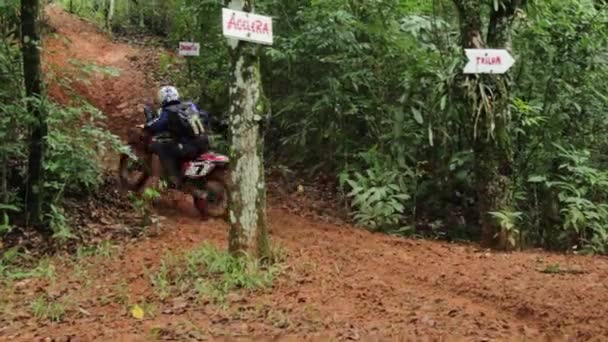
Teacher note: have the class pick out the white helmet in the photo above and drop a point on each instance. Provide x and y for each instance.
(167, 94)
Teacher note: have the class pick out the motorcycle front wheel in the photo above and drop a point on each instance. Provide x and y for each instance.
(131, 173)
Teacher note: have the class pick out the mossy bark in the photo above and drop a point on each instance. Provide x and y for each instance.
(490, 115)
(248, 109)
(142, 23)
(109, 15)
(32, 73)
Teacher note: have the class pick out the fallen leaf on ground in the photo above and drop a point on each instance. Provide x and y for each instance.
(137, 312)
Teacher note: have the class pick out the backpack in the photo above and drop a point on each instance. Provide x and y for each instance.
(185, 120)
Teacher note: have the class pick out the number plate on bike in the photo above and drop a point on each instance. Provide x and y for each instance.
(199, 169)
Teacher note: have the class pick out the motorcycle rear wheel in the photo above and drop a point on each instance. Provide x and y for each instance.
(217, 201)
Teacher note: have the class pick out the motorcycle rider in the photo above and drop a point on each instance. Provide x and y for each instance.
(188, 138)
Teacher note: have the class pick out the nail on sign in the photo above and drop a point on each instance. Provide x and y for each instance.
(189, 49)
(247, 26)
(488, 61)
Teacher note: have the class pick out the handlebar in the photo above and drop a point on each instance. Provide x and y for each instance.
(149, 114)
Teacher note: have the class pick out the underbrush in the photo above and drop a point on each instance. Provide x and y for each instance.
(564, 208)
(37, 285)
(16, 265)
(76, 190)
(209, 274)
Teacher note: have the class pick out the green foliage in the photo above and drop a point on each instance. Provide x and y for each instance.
(15, 265)
(508, 222)
(73, 161)
(558, 269)
(76, 146)
(557, 96)
(48, 309)
(204, 79)
(14, 118)
(143, 204)
(338, 107)
(9, 17)
(582, 194)
(372, 92)
(5, 225)
(381, 194)
(211, 273)
(58, 224)
(104, 249)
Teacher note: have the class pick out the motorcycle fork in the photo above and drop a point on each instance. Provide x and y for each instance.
(194, 188)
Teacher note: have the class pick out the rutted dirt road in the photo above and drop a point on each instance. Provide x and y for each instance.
(341, 283)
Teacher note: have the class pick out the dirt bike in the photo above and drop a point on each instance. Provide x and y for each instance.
(208, 172)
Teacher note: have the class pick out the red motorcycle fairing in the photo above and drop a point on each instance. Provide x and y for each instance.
(213, 157)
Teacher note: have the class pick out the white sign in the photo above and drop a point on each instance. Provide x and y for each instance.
(189, 49)
(247, 26)
(488, 61)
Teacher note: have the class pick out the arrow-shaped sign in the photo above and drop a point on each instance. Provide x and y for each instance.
(488, 61)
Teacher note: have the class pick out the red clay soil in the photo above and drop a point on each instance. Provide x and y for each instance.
(341, 283)
(75, 42)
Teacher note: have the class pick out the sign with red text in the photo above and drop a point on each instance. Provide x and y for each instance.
(189, 49)
(488, 61)
(247, 26)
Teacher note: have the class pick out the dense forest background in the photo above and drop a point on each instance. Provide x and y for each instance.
(371, 94)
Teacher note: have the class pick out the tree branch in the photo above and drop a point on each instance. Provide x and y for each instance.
(470, 23)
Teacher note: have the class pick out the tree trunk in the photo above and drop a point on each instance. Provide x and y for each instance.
(248, 233)
(141, 14)
(109, 15)
(33, 88)
(492, 150)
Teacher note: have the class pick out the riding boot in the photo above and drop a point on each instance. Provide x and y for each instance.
(171, 166)
(198, 193)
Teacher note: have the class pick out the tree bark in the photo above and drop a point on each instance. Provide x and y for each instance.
(109, 15)
(493, 154)
(501, 22)
(470, 23)
(128, 9)
(33, 87)
(142, 24)
(248, 233)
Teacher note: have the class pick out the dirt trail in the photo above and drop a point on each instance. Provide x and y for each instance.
(342, 282)
(76, 43)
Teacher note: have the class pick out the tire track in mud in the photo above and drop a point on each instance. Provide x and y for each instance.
(507, 292)
(391, 281)
(343, 282)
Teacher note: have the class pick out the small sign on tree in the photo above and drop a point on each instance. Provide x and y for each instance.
(488, 61)
(189, 49)
(247, 26)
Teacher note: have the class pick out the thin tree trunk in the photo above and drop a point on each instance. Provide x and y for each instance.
(110, 15)
(141, 14)
(4, 186)
(248, 233)
(33, 88)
